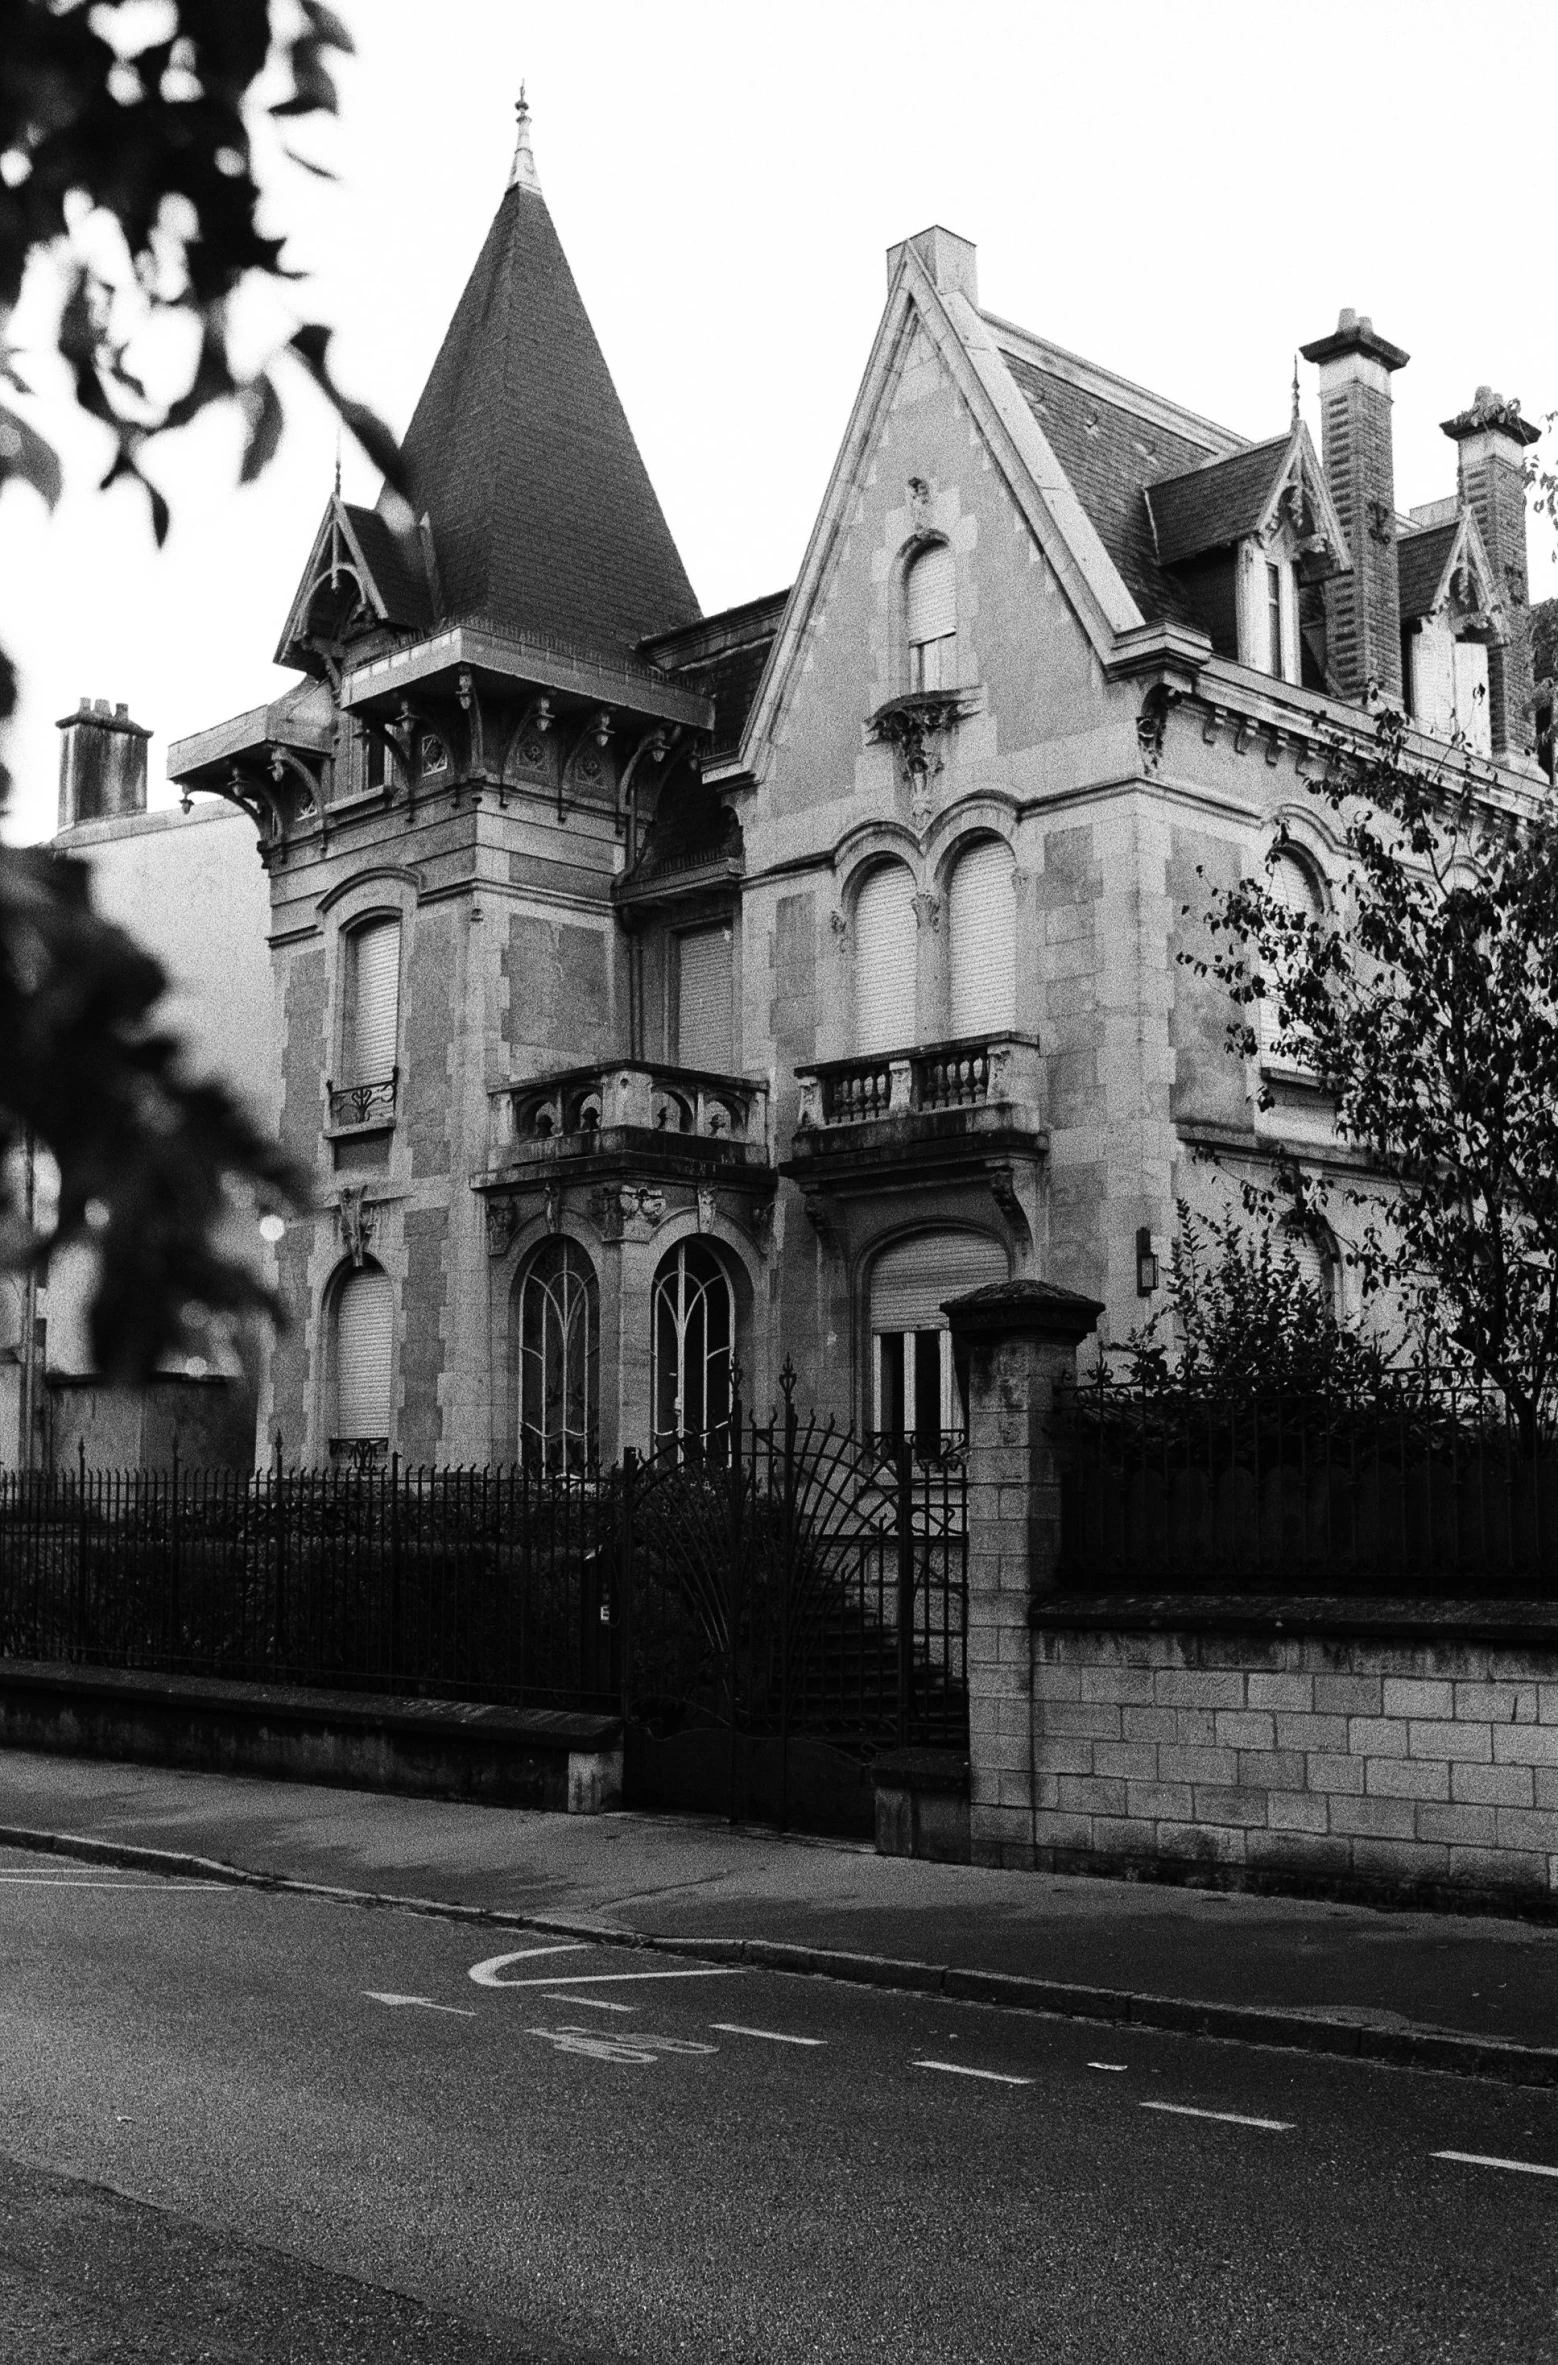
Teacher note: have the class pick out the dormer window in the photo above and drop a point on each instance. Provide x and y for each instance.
(930, 612)
(1450, 614)
(1268, 604)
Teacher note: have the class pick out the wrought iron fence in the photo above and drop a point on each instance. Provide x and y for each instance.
(475, 1584)
(1423, 1486)
(794, 1579)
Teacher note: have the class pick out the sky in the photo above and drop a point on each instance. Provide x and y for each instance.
(1181, 190)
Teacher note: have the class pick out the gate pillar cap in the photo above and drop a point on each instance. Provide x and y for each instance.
(1023, 1309)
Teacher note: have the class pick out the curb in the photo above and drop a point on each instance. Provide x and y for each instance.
(1259, 2024)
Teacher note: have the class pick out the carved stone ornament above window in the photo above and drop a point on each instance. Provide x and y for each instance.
(917, 726)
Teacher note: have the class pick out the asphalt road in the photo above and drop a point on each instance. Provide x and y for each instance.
(221, 2136)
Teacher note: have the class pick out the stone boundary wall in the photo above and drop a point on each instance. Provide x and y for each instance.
(1404, 1757)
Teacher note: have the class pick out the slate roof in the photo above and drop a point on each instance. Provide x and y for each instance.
(1110, 454)
(724, 656)
(1420, 562)
(543, 516)
(402, 587)
(1215, 504)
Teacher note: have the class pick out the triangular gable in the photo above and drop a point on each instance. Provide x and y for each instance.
(1227, 500)
(1067, 537)
(1431, 560)
(354, 551)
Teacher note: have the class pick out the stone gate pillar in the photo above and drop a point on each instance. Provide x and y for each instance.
(1020, 1338)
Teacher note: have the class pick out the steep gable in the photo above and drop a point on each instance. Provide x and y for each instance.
(542, 515)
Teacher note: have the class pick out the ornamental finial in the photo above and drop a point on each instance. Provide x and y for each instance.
(522, 173)
(1295, 390)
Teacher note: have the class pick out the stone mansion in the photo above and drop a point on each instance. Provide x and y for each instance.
(662, 994)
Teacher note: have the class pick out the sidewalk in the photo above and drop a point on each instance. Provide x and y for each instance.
(1403, 1981)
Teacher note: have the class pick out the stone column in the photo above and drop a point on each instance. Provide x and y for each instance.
(1020, 1339)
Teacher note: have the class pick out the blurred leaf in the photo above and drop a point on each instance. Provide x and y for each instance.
(24, 453)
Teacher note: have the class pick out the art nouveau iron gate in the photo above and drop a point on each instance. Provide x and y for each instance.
(790, 1600)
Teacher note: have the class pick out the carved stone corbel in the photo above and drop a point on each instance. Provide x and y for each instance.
(358, 1222)
(1003, 1190)
(705, 1207)
(502, 1225)
(820, 1214)
(927, 911)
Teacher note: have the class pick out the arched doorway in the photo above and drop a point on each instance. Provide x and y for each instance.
(914, 1385)
(694, 1317)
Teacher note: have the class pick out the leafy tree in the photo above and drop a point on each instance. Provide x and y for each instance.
(1247, 1322)
(127, 166)
(1425, 1007)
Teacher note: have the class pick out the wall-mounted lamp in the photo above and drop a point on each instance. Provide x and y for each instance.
(1146, 1262)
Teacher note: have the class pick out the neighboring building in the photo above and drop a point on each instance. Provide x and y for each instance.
(188, 887)
(660, 992)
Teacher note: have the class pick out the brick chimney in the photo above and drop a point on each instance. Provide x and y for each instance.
(102, 764)
(1363, 609)
(1491, 440)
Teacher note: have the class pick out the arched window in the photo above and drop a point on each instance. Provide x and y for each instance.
(931, 618)
(916, 1389)
(694, 1340)
(364, 1357)
(885, 960)
(1296, 887)
(372, 1002)
(559, 1359)
(1315, 1264)
(982, 927)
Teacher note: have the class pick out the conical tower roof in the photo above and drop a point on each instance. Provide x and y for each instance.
(520, 455)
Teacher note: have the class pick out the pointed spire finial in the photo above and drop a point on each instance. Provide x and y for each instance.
(338, 459)
(1295, 389)
(522, 173)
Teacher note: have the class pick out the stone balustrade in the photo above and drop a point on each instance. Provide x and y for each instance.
(631, 1095)
(971, 1072)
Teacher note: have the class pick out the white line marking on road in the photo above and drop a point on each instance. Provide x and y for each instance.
(423, 2003)
(1119, 2065)
(486, 1974)
(611, 1978)
(1227, 2118)
(960, 2069)
(597, 2003)
(45, 1880)
(775, 2036)
(1482, 2159)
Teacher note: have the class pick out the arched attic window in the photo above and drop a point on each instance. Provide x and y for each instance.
(1297, 888)
(931, 618)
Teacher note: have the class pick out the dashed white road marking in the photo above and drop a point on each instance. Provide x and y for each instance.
(1116, 2065)
(606, 1978)
(960, 2069)
(597, 2003)
(1482, 2159)
(423, 2003)
(486, 1974)
(1227, 2118)
(775, 2036)
(631, 2046)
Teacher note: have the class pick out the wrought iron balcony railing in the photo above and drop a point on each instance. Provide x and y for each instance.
(972, 1072)
(364, 1104)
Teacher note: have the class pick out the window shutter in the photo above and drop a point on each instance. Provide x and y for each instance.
(1471, 712)
(932, 595)
(1314, 1267)
(910, 1280)
(703, 996)
(981, 921)
(885, 961)
(375, 954)
(364, 1335)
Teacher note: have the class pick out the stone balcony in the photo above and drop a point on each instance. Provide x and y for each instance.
(937, 1108)
(633, 1119)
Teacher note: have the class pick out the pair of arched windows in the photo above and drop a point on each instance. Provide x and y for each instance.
(981, 951)
(693, 1321)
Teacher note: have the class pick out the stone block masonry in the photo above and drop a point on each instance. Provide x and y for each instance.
(1401, 1755)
